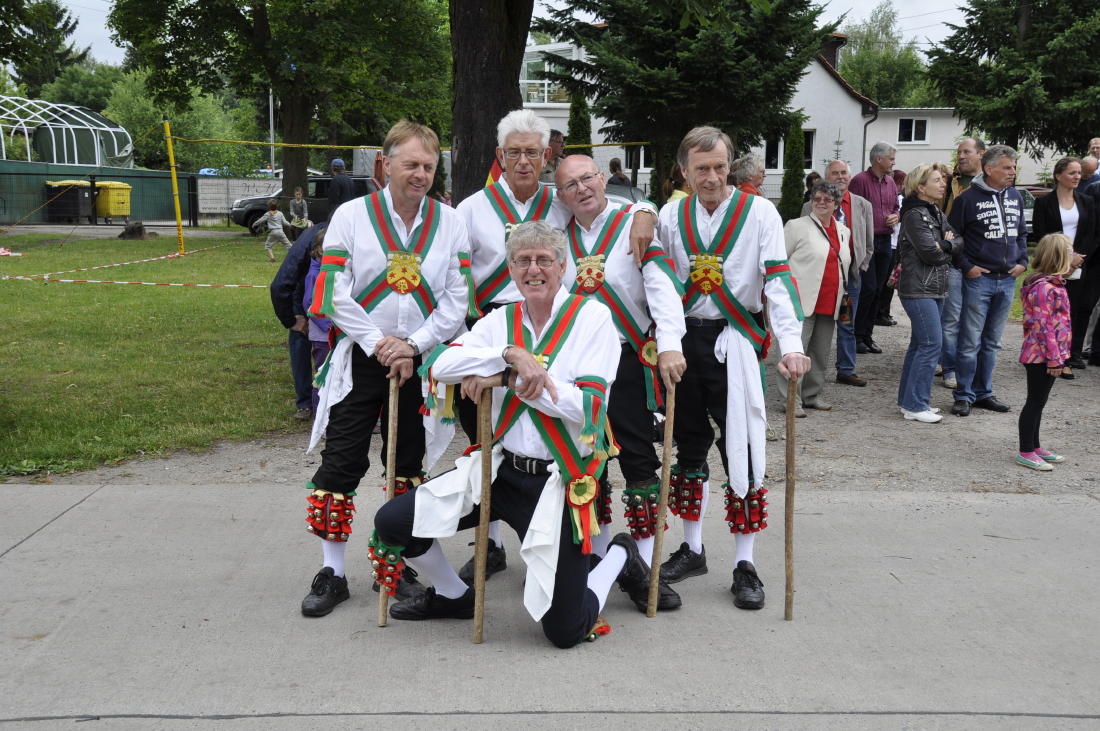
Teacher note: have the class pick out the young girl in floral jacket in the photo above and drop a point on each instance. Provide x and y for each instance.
(1046, 345)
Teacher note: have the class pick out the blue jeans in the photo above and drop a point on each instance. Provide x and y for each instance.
(985, 305)
(301, 368)
(846, 334)
(952, 308)
(915, 387)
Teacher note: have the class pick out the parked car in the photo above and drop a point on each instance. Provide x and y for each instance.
(1029, 193)
(246, 211)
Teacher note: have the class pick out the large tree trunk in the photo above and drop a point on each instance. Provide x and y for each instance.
(487, 42)
(295, 113)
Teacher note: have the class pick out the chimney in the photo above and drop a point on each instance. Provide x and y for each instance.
(830, 49)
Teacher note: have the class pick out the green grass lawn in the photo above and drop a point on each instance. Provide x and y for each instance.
(96, 373)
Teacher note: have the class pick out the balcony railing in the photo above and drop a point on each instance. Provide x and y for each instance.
(542, 92)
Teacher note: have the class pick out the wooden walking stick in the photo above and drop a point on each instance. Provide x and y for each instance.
(481, 539)
(391, 480)
(662, 503)
(788, 504)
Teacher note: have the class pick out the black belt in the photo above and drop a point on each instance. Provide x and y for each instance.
(996, 275)
(528, 465)
(701, 322)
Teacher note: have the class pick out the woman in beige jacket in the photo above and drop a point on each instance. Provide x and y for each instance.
(819, 256)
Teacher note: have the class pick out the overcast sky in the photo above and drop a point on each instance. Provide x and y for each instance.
(921, 20)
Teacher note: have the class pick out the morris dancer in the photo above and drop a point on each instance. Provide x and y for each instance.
(391, 285)
(601, 266)
(558, 354)
(728, 246)
(523, 148)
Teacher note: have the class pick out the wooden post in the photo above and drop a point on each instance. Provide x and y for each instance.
(788, 507)
(391, 480)
(481, 541)
(662, 503)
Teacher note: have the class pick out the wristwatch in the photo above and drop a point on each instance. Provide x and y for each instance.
(413, 345)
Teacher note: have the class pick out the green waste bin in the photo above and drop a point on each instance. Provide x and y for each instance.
(67, 201)
(112, 200)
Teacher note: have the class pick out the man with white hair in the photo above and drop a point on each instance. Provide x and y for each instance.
(876, 184)
(854, 212)
(1089, 175)
(523, 150)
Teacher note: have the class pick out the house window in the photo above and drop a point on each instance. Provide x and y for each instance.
(808, 140)
(912, 130)
(771, 154)
(635, 157)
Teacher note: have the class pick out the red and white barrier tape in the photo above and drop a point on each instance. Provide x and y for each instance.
(152, 284)
(174, 255)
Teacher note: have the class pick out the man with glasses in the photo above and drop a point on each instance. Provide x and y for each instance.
(549, 360)
(728, 248)
(649, 318)
(523, 149)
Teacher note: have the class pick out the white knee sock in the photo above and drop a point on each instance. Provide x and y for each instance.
(601, 578)
(645, 547)
(334, 555)
(693, 529)
(494, 533)
(435, 567)
(744, 542)
(602, 541)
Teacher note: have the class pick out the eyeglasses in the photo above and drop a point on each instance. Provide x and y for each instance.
(587, 180)
(524, 262)
(529, 154)
(825, 200)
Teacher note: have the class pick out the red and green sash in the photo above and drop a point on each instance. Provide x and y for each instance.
(635, 334)
(506, 212)
(725, 238)
(580, 474)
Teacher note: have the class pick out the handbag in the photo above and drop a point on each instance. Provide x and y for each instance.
(892, 282)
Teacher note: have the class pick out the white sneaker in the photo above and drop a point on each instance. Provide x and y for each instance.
(927, 417)
(935, 409)
(950, 382)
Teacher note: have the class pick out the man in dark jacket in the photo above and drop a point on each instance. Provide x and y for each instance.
(286, 298)
(341, 189)
(989, 216)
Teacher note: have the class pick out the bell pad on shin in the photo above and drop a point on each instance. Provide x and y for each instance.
(329, 515)
(748, 514)
(685, 492)
(386, 564)
(641, 509)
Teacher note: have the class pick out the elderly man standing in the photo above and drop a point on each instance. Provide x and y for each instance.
(550, 360)
(391, 286)
(728, 249)
(989, 216)
(524, 147)
(854, 212)
(649, 317)
(1089, 174)
(748, 174)
(877, 186)
(969, 154)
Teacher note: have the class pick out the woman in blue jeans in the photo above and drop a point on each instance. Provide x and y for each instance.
(925, 253)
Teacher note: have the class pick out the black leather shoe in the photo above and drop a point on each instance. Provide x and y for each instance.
(1067, 373)
(872, 346)
(1076, 361)
(748, 589)
(634, 579)
(885, 321)
(961, 408)
(1094, 360)
(851, 379)
(495, 562)
(327, 591)
(990, 403)
(407, 585)
(861, 347)
(684, 563)
(429, 605)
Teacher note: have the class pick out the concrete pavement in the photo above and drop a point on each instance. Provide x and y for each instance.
(167, 606)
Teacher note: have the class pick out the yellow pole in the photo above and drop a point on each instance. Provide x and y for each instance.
(175, 185)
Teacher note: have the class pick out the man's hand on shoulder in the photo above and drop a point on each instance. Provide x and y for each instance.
(641, 233)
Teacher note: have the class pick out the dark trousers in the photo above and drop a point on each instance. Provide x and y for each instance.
(885, 293)
(346, 456)
(878, 271)
(1082, 299)
(1039, 383)
(631, 421)
(301, 368)
(573, 608)
(700, 397)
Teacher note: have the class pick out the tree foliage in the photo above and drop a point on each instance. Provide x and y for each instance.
(1024, 71)
(883, 67)
(579, 131)
(794, 175)
(387, 58)
(655, 70)
(87, 84)
(48, 52)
